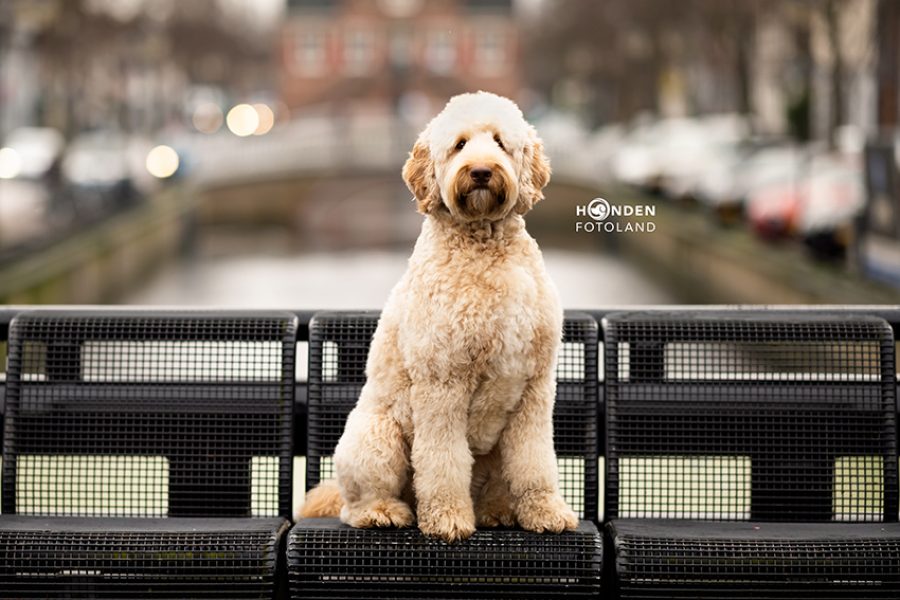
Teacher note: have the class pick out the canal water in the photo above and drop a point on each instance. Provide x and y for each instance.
(363, 279)
(343, 242)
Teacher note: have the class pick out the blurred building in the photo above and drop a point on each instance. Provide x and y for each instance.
(396, 55)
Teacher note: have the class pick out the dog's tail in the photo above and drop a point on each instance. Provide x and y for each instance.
(324, 500)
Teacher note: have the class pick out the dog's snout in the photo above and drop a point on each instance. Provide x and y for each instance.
(480, 175)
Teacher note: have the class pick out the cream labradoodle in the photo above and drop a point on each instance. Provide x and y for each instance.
(455, 418)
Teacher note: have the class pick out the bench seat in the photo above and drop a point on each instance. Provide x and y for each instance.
(669, 558)
(96, 557)
(327, 559)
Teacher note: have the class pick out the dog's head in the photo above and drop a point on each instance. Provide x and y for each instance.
(478, 159)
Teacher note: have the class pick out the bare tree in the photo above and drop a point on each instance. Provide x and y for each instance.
(837, 113)
(620, 52)
(81, 39)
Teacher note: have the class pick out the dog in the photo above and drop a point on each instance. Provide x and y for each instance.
(455, 418)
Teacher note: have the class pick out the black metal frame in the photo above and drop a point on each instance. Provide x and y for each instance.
(762, 451)
(234, 410)
(698, 412)
(647, 355)
(339, 348)
(891, 314)
(147, 454)
(329, 560)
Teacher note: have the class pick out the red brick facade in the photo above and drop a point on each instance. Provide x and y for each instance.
(376, 55)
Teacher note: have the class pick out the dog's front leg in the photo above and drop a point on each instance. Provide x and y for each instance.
(529, 461)
(442, 461)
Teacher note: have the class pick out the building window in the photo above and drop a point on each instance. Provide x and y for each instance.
(440, 51)
(400, 48)
(490, 55)
(309, 53)
(359, 52)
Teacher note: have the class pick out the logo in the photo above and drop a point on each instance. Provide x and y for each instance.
(615, 218)
(598, 209)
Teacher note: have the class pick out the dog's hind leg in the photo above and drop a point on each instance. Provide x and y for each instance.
(372, 465)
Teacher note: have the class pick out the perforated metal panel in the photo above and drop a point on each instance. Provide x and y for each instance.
(149, 414)
(338, 349)
(735, 561)
(330, 561)
(169, 419)
(737, 416)
(62, 557)
(778, 430)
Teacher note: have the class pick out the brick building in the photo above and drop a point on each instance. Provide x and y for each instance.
(378, 55)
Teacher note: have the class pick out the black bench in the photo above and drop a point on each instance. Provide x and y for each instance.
(330, 560)
(751, 455)
(147, 455)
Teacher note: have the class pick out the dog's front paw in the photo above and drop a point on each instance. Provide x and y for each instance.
(545, 511)
(379, 513)
(448, 523)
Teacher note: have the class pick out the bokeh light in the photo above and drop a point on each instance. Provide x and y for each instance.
(10, 163)
(242, 120)
(207, 117)
(266, 119)
(162, 161)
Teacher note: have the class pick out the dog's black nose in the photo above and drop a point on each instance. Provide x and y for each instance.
(480, 175)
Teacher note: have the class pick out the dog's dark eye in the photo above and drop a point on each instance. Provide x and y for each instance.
(460, 145)
(499, 142)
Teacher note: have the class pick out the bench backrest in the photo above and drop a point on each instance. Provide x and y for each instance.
(339, 347)
(750, 415)
(149, 414)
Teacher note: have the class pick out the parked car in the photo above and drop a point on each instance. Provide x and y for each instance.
(688, 152)
(670, 155)
(637, 160)
(736, 171)
(36, 148)
(833, 196)
(816, 205)
(601, 148)
(98, 172)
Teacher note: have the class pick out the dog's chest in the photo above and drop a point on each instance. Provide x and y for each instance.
(490, 317)
(489, 410)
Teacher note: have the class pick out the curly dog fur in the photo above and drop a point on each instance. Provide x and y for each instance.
(453, 427)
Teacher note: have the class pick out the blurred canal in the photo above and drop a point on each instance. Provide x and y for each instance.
(345, 243)
(361, 280)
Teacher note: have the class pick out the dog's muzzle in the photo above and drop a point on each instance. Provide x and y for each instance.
(481, 192)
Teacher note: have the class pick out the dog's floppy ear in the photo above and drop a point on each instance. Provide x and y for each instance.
(418, 173)
(535, 175)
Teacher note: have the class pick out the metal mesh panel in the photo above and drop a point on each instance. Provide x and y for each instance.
(338, 349)
(149, 414)
(138, 558)
(763, 416)
(690, 559)
(339, 346)
(329, 560)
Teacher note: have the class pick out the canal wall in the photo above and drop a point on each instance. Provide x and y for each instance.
(701, 261)
(97, 264)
